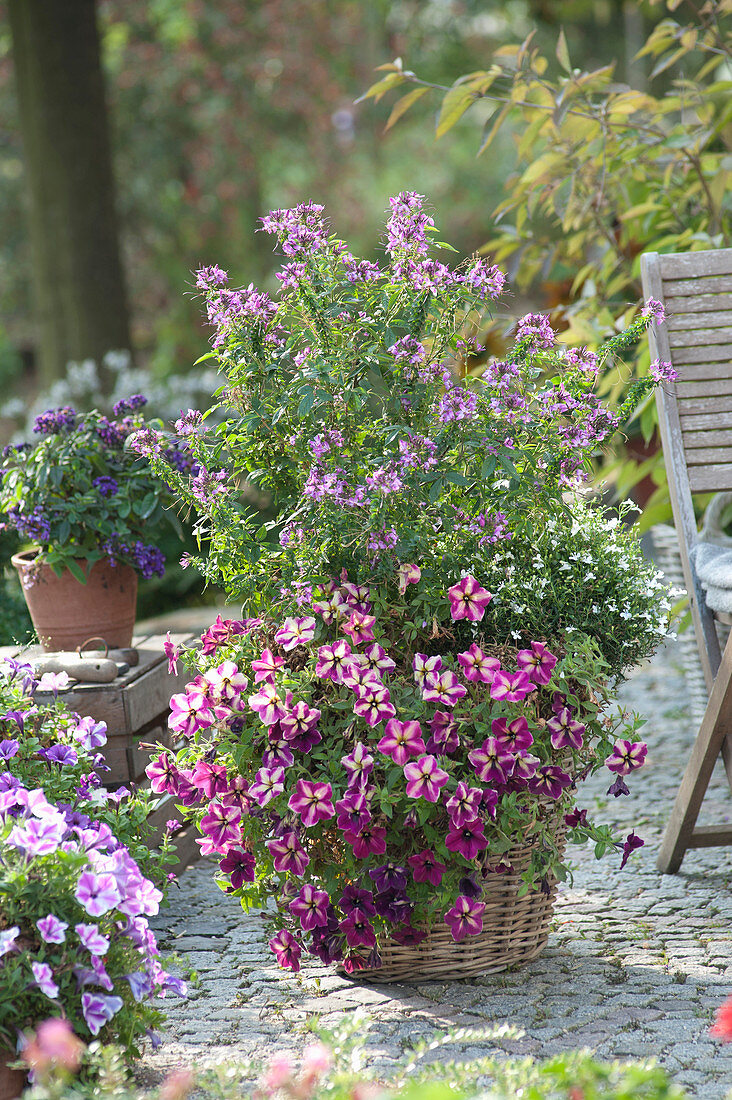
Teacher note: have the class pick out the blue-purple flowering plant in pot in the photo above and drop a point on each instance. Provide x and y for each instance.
(390, 742)
(89, 506)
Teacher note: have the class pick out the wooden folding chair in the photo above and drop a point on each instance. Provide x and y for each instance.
(695, 419)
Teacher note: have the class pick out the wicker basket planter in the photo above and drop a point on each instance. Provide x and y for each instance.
(515, 931)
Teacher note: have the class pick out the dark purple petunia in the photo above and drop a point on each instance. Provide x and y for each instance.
(631, 843)
(393, 905)
(239, 866)
(575, 818)
(618, 787)
(389, 876)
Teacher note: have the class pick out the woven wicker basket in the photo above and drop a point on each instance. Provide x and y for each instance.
(515, 931)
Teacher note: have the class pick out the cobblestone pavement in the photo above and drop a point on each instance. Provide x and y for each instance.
(636, 964)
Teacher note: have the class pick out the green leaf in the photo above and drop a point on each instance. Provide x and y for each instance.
(454, 106)
(562, 52)
(403, 104)
(306, 403)
(75, 569)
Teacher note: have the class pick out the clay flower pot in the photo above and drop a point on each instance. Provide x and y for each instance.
(67, 613)
(12, 1081)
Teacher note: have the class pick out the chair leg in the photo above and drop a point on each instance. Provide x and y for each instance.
(715, 736)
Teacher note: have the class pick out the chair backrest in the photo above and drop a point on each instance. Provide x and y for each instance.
(695, 413)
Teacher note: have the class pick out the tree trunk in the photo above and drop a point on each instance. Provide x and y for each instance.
(81, 301)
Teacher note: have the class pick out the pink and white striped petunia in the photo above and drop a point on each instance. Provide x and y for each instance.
(221, 826)
(189, 712)
(512, 735)
(443, 687)
(373, 703)
(566, 731)
(226, 682)
(627, 756)
(313, 801)
(265, 667)
(408, 574)
(360, 626)
(359, 764)
(310, 907)
(288, 853)
(513, 687)
(422, 665)
(267, 705)
(476, 666)
(425, 778)
(268, 783)
(493, 762)
(468, 600)
(401, 740)
(538, 662)
(299, 720)
(464, 805)
(376, 659)
(295, 631)
(331, 660)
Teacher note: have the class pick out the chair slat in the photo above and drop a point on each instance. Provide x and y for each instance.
(705, 421)
(708, 438)
(699, 456)
(710, 479)
(692, 288)
(715, 353)
(705, 388)
(684, 265)
(701, 337)
(680, 322)
(700, 372)
(713, 403)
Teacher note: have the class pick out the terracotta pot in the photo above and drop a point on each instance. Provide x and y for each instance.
(66, 613)
(12, 1081)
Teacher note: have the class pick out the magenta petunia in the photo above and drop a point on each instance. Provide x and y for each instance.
(442, 687)
(401, 740)
(265, 667)
(360, 627)
(368, 841)
(332, 660)
(465, 918)
(299, 720)
(468, 600)
(373, 703)
(425, 778)
(375, 657)
(358, 929)
(268, 783)
(288, 853)
(52, 929)
(632, 842)
(190, 711)
(310, 907)
(226, 683)
(359, 764)
(476, 666)
(163, 775)
(239, 865)
(286, 949)
(222, 826)
(423, 665)
(525, 766)
(513, 735)
(408, 574)
(426, 867)
(537, 662)
(464, 805)
(267, 704)
(312, 801)
(550, 781)
(445, 738)
(295, 631)
(493, 762)
(513, 687)
(353, 810)
(627, 756)
(566, 731)
(210, 779)
(468, 839)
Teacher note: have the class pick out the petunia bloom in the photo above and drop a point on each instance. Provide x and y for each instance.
(268, 783)
(332, 660)
(310, 907)
(468, 600)
(476, 666)
(221, 826)
(468, 839)
(99, 1009)
(422, 665)
(92, 939)
(627, 756)
(550, 781)
(44, 979)
(312, 801)
(464, 805)
(425, 778)
(295, 631)
(368, 841)
(513, 735)
(360, 626)
(408, 574)
(265, 666)
(537, 662)
(359, 764)
(443, 687)
(97, 893)
(373, 703)
(52, 929)
(286, 949)
(465, 918)
(288, 853)
(513, 687)
(426, 867)
(631, 843)
(401, 740)
(493, 762)
(566, 731)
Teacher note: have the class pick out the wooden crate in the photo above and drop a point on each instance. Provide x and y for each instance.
(135, 706)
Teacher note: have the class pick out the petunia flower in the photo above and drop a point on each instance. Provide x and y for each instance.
(426, 867)
(97, 893)
(172, 652)
(353, 811)
(8, 748)
(445, 738)
(8, 936)
(312, 801)
(389, 876)
(360, 627)
(442, 687)
(221, 826)
(493, 762)
(513, 735)
(295, 631)
(401, 740)
(310, 907)
(267, 704)
(53, 682)
(288, 853)
(566, 731)
(332, 660)
(359, 764)
(375, 657)
(226, 682)
(525, 766)
(92, 939)
(63, 755)
(537, 662)
(44, 979)
(355, 674)
(631, 843)
(618, 787)
(468, 600)
(90, 734)
(38, 837)
(99, 1009)
(368, 841)
(425, 778)
(373, 703)
(358, 930)
(190, 712)
(268, 783)
(239, 866)
(465, 918)
(299, 720)
(476, 666)
(464, 805)
(513, 687)
(286, 949)
(355, 898)
(468, 839)
(422, 665)
(627, 756)
(550, 781)
(408, 574)
(163, 774)
(52, 929)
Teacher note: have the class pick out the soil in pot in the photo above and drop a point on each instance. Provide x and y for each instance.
(66, 613)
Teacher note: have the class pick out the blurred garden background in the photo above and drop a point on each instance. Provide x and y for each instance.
(143, 138)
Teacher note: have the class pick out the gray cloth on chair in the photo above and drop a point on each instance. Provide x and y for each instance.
(713, 566)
